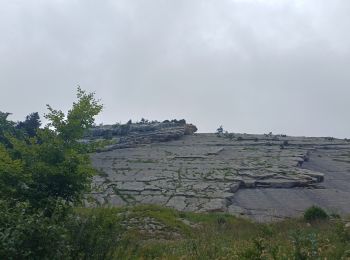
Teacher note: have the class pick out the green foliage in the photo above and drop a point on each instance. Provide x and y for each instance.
(221, 236)
(20, 130)
(343, 232)
(305, 245)
(29, 234)
(95, 233)
(12, 176)
(315, 213)
(256, 251)
(84, 234)
(43, 172)
(167, 216)
(30, 125)
(52, 165)
(118, 233)
(6, 127)
(70, 128)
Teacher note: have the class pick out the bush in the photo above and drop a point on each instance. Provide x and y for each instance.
(25, 234)
(315, 213)
(94, 233)
(219, 131)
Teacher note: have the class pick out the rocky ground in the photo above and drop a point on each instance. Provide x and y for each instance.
(332, 194)
(264, 177)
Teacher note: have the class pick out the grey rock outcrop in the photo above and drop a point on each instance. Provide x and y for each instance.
(133, 134)
(203, 172)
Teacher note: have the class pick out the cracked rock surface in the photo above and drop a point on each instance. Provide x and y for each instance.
(259, 176)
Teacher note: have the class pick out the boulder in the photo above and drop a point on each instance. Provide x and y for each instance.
(190, 129)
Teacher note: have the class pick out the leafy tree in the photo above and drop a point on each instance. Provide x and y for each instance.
(47, 167)
(6, 126)
(13, 179)
(20, 130)
(30, 125)
(43, 172)
(81, 117)
(56, 165)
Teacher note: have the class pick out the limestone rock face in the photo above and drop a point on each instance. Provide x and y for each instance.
(133, 134)
(204, 172)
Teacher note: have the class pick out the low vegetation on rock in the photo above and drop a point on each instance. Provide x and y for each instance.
(315, 213)
(154, 232)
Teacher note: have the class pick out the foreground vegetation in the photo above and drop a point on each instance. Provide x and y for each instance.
(45, 172)
(153, 232)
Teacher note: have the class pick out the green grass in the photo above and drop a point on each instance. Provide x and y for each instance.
(186, 235)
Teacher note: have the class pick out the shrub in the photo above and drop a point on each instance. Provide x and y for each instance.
(94, 233)
(315, 213)
(25, 234)
(219, 131)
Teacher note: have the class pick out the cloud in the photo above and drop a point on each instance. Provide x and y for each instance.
(253, 66)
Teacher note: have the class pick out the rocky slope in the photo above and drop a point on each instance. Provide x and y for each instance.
(144, 132)
(204, 172)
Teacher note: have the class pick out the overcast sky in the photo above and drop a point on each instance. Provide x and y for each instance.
(253, 66)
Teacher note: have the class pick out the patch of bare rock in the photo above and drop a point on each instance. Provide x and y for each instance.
(171, 166)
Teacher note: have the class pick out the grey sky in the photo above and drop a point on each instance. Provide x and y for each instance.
(251, 65)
